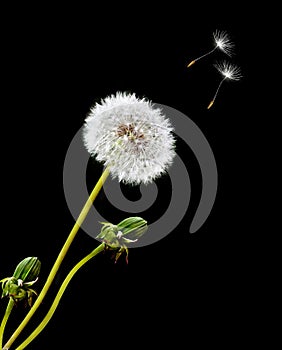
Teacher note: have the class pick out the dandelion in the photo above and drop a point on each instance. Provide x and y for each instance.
(131, 137)
(229, 71)
(222, 42)
(134, 141)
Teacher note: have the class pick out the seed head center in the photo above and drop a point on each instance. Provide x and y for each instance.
(130, 132)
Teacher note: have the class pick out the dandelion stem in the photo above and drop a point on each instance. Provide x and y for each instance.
(60, 257)
(59, 295)
(5, 319)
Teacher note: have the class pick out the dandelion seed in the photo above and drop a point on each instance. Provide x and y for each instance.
(222, 42)
(130, 137)
(229, 71)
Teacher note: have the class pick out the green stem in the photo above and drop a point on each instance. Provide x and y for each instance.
(59, 295)
(60, 258)
(5, 319)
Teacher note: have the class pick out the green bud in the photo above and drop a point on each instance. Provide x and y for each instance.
(133, 228)
(119, 236)
(127, 231)
(28, 269)
(25, 275)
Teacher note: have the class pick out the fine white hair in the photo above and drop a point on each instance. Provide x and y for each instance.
(131, 137)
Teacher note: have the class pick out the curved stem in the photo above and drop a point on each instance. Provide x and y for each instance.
(9, 308)
(59, 295)
(214, 97)
(208, 53)
(198, 58)
(60, 258)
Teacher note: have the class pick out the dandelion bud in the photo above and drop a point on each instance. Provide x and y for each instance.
(118, 237)
(28, 269)
(132, 228)
(26, 274)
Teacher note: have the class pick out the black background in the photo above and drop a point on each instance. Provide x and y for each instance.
(57, 63)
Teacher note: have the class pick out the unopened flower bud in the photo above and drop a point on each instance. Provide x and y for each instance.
(132, 228)
(25, 275)
(127, 231)
(28, 269)
(119, 237)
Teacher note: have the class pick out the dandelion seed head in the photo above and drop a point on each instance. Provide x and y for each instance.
(229, 70)
(223, 42)
(131, 137)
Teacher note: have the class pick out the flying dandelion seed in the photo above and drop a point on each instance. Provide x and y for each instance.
(229, 71)
(222, 42)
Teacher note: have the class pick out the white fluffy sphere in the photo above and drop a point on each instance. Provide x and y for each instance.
(131, 137)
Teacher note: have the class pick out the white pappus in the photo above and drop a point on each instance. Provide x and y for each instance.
(131, 137)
